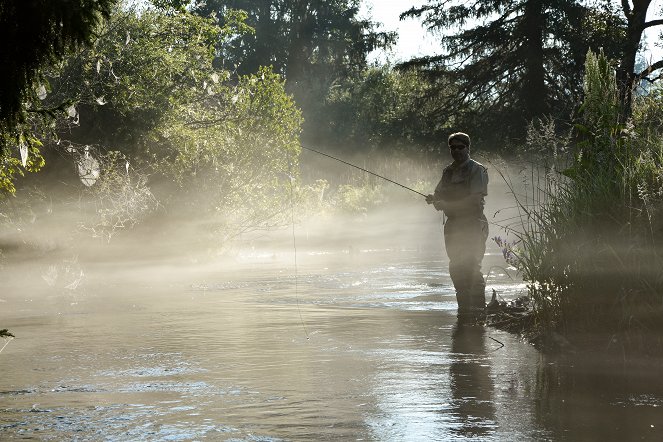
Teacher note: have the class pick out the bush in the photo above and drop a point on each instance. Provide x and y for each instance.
(147, 95)
(119, 199)
(590, 248)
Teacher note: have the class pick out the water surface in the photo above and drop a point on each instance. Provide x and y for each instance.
(349, 345)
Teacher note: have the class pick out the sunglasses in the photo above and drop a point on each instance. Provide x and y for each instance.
(457, 146)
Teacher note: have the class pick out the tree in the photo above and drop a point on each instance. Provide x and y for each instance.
(384, 108)
(35, 33)
(519, 58)
(312, 43)
(141, 67)
(635, 12)
(299, 37)
(148, 98)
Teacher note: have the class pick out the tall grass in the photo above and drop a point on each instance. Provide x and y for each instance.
(590, 246)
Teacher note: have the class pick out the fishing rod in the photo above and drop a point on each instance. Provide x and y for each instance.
(364, 170)
(387, 179)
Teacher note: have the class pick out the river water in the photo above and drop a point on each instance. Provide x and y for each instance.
(349, 343)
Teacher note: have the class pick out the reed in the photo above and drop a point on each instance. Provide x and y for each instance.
(591, 227)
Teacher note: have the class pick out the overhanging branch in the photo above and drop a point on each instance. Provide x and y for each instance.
(651, 68)
(652, 80)
(651, 24)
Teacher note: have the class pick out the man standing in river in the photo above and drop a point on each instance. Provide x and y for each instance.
(460, 195)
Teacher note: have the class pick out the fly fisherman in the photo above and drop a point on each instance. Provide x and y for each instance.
(460, 195)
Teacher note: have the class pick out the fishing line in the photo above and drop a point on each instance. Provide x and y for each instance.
(499, 342)
(364, 170)
(377, 175)
(294, 246)
(443, 215)
(8, 339)
(444, 218)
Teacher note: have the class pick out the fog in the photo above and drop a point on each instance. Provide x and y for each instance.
(337, 326)
(48, 237)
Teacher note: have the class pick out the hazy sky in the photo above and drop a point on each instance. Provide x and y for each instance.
(414, 40)
(652, 35)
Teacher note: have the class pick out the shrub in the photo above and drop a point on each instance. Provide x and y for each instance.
(590, 248)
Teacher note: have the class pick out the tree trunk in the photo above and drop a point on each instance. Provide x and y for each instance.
(534, 96)
(635, 18)
(301, 41)
(264, 35)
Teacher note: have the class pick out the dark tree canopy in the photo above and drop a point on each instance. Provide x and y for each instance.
(517, 58)
(37, 32)
(313, 44)
(299, 38)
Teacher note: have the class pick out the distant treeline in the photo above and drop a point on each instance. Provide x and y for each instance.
(503, 66)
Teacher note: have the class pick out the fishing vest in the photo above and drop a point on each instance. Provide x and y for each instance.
(459, 182)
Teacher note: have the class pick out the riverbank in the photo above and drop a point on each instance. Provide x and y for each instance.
(630, 347)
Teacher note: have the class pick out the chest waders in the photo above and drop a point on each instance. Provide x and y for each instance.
(465, 241)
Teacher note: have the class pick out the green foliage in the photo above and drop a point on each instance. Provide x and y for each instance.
(242, 144)
(600, 108)
(29, 159)
(231, 146)
(300, 40)
(146, 102)
(313, 44)
(141, 67)
(591, 245)
(36, 33)
(171, 5)
(544, 137)
(647, 166)
(383, 107)
(602, 29)
(514, 60)
(351, 191)
(648, 112)
(358, 199)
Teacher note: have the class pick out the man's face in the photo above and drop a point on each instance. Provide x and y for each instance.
(459, 151)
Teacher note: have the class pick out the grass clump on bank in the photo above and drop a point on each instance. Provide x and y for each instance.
(591, 249)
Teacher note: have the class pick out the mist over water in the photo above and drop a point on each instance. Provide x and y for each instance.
(344, 330)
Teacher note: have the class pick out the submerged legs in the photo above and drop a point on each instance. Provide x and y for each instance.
(465, 241)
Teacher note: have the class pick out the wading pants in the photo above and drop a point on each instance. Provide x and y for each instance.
(465, 241)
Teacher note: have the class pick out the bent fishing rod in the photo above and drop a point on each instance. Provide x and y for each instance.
(364, 170)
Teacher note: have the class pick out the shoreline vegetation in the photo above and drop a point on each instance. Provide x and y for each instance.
(591, 241)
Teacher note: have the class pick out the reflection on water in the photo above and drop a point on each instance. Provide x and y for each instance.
(471, 383)
(209, 353)
(595, 400)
